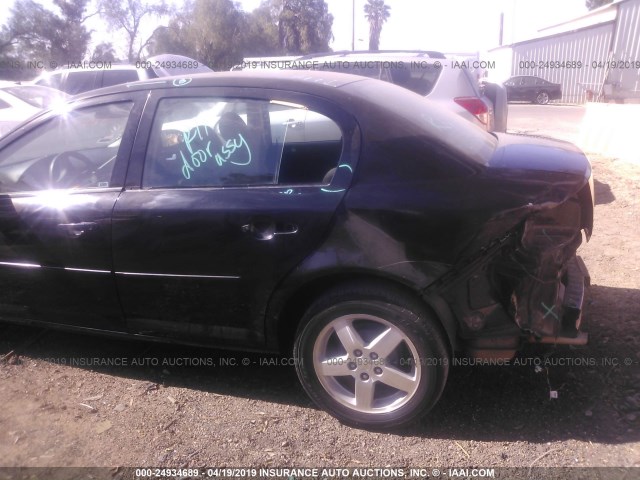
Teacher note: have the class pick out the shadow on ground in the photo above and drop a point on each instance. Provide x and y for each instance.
(598, 390)
(603, 193)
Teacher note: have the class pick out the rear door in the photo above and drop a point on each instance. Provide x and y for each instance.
(231, 190)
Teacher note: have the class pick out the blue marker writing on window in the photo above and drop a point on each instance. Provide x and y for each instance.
(235, 151)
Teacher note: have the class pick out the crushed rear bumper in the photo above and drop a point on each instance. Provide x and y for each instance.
(569, 317)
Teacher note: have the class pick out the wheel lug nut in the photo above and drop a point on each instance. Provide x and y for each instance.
(357, 353)
(377, 371)
(373, 355)
(352, 366)
(364, 376)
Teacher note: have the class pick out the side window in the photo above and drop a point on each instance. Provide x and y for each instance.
(116, 77)
(4, 104)
(308, 145)
(78, 82)
(210, 142)
(77, 149)
(201, 142)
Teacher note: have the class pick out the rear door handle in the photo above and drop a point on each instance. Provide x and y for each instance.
(75, 230)
(268, 230)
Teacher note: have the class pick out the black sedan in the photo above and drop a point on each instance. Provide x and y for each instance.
(529, 88)
(344, 221)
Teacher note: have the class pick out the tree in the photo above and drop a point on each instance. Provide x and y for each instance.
(104, 52)
(127, 15)
(261, 34)
(9, 62)
(210, 31)
(7, 41)
(592, 4)
(36, 34)
(376, 12)
(304, 26)
(72, 37)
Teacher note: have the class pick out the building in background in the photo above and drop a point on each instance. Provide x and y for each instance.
(594, 57)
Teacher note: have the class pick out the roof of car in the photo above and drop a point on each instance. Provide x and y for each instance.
(305, 81)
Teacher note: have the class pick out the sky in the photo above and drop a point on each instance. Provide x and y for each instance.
(450, 26)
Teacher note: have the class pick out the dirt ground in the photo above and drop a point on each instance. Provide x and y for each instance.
(60, 407)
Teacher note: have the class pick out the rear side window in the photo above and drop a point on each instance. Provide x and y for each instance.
(215, 142)
(78, 82)
(116, 77)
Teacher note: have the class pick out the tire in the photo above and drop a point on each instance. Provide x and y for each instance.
(542, 98)
(371, 357)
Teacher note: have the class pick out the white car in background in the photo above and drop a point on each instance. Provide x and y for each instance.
(20, 102)
(430, 74)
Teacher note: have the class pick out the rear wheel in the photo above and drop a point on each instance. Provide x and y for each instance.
(371, 358)
(542, 98)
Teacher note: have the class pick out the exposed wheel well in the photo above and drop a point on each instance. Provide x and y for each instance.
(301, 299)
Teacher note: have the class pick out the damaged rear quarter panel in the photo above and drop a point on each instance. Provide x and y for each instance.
(505, 235)
(528, 277)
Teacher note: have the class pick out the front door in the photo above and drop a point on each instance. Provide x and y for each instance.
(59, 182)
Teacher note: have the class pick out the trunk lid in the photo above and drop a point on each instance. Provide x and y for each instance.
(522, 152)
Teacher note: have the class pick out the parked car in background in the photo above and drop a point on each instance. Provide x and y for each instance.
(19, 102)
(78, 80)
(529, 88)
(427, 73)
(367, 232)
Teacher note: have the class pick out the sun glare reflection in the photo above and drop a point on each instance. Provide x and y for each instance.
(60, 107)
(59, 199)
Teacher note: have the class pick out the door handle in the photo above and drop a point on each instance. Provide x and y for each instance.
(75, 230)
(268, 230)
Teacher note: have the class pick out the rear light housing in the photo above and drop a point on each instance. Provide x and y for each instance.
(476, 107)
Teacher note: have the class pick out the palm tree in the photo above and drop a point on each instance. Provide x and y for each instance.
(377, 13)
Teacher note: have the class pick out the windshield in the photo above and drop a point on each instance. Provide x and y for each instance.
(40, 97)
